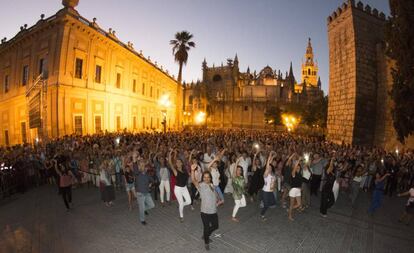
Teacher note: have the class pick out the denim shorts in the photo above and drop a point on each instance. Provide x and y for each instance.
(130, 187)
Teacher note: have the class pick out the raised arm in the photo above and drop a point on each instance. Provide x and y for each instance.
(379, 178)
(331, 165)
(174, 170)
(193, 178)
(403, 194)
(254, 167)
(191, 156)
(269, 160)
(295, 168)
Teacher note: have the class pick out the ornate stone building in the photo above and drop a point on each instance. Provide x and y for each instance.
(359, 110)
(66, 75)
(240, 99)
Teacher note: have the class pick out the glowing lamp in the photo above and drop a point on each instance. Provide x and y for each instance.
(200, 117)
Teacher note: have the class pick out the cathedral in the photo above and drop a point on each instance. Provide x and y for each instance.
(238, 99)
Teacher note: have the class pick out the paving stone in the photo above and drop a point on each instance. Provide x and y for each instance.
(37, 222)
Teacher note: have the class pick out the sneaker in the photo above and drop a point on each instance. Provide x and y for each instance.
(181, 220)
(235, 219)
(192, 208)
(324, 215)
(263, 218)
(144, 223)
(146, 213)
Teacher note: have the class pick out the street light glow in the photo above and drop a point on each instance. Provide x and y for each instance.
(290, 122)
(165, 100)
(200, 117)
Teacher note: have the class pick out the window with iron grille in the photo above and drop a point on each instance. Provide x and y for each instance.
(25, 77)
(6, 137)
(78, 125)
(41, 64)
(6, 84)
(23, 130)
(78, 68)
(134, 122)
(98, 124)
(118, 123)
(98, 74)
(118, 80)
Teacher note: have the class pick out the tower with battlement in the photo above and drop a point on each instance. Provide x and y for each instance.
(359, 78)
(354, 31)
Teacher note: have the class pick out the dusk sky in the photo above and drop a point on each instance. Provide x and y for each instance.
(261, 32)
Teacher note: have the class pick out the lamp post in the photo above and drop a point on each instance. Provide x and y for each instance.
(165, 103)
(164, 120)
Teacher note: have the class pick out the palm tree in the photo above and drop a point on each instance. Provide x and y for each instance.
(181, 45)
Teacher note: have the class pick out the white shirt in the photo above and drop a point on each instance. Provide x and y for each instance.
(306, 174)
(357, 179)
(245, 165)
(207, 160)
(268, 182)
(216, 176)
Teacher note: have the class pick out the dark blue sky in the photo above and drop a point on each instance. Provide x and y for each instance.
(261, 32)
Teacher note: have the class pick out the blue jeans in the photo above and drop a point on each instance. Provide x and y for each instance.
(218, 190)
(144, 203)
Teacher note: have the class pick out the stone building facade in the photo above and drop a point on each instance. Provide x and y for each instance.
(238, 99)
(359, 78)
(66, 75)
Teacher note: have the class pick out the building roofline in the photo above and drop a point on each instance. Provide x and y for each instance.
(74, 14)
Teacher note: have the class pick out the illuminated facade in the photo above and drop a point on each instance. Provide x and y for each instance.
(240, 99)
(66, 75)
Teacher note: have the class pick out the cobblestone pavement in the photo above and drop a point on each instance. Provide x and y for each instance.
(37, 222)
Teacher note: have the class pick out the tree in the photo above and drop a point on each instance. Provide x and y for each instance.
(399, 36)
(273, 115)
(316, 113)
(180, 47)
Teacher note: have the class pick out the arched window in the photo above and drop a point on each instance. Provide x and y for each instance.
(190, 100)
(216, 78)
(309, 72)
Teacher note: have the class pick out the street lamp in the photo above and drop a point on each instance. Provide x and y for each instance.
(165, 103)
(290, 122)
(200, 117)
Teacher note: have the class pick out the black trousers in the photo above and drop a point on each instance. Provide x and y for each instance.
(66, 195)
(391, 186)
(315, 183)
(210, 223)
(327, 200)
(193, 193)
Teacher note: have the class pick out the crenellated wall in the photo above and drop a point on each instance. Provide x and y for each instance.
(359, 110)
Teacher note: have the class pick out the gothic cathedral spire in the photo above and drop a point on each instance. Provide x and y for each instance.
(309, 67)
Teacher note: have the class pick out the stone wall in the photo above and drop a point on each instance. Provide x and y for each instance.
(342, 76)
(359, 110)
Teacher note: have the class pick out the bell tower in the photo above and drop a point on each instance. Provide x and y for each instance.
(309, 67)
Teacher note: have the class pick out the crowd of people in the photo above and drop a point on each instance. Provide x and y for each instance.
(261, 167)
